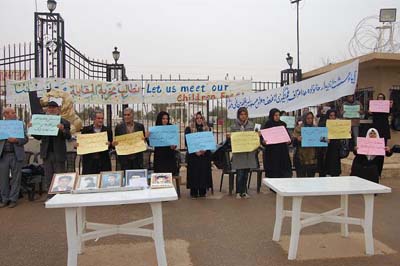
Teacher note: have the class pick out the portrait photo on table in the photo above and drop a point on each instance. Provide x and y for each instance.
(111, 179)
(161, 180)
(132, 176)
(85, 182)
(62, 183)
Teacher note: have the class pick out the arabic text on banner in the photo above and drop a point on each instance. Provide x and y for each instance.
(320, 89)
(338, 129)
(245, 141)
(90, 143)
(130, 143)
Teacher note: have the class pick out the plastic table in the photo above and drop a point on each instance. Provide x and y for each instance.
(297, 188)
(76, 224)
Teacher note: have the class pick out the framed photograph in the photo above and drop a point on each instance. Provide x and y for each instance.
(112, 179)
(87, 182)
(136, 178)
(161, 180)
(62, 183)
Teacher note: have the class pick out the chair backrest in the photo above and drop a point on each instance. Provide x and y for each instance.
(227, 163)
(71, 161)
(28, 157)
(147, 163)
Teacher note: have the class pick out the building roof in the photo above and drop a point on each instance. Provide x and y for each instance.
(366, 61)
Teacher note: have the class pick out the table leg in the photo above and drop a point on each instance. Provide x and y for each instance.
(368, 218)
(158, 233)
(81, 225)
(278, 217)
(296, 227)
(344, 204)
(72, 237)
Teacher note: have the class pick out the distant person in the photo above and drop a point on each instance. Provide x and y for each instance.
(53, 149)
(369, 166)
(277, 161)
(244, 161)
(165, 157)
(199, 176)
(127, 126)
(94, 163)
(355, 122)
(305, 158)
(12, 156)
(380, 121)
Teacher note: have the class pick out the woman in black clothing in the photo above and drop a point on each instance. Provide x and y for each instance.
(276, 156)
(380, 121)
(369, 166)
(329, 158)
(199, 177)
(164, 157)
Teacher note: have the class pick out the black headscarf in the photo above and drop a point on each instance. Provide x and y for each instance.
(271, 122)
(159, 118)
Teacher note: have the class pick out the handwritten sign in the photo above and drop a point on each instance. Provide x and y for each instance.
(289, 120)
(244, 141)
(200, 141)
(90, 143)
(371, 146)
(310, 92)
(11, 129)
(314, 137)
(161, 136)
(275, 135)
(130, 143)
(379, 106)
(44, 125)
(351, 111)
(338, 129)
(190, 91)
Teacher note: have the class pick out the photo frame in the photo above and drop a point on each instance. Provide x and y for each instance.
(87, 182)
(161, 180)
(136, 178)
(111, 179)
(62, 183)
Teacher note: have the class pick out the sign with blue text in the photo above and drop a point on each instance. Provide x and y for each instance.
(161, 136)
(11, 129)
(320, 89)
(200, 141)
(44, 125)
(314, 137)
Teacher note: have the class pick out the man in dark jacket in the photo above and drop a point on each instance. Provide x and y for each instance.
(132, 161)
(94, 163)
(53, 149)
(12, 155)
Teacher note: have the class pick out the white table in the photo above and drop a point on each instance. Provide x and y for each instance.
(344, 186)
(76, 224)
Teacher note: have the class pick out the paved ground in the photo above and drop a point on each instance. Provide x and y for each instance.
(205, 232)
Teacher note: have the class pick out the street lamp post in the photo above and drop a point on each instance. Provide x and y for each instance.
(290, 75)
(298, 39)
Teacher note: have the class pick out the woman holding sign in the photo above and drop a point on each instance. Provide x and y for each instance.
(305, 158)
(369, 166)
(329, 158)
(199, 177)
(380, 121)
(242, 162)
(276, 156)
(164, 157)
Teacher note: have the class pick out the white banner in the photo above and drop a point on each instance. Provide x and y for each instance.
(192, 91)
(82, 91)
(320, 89)
(101, 92)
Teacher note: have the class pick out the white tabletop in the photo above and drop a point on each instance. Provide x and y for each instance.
(112, 198)
(340, 185)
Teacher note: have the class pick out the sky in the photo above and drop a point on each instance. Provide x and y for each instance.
(198, 38)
